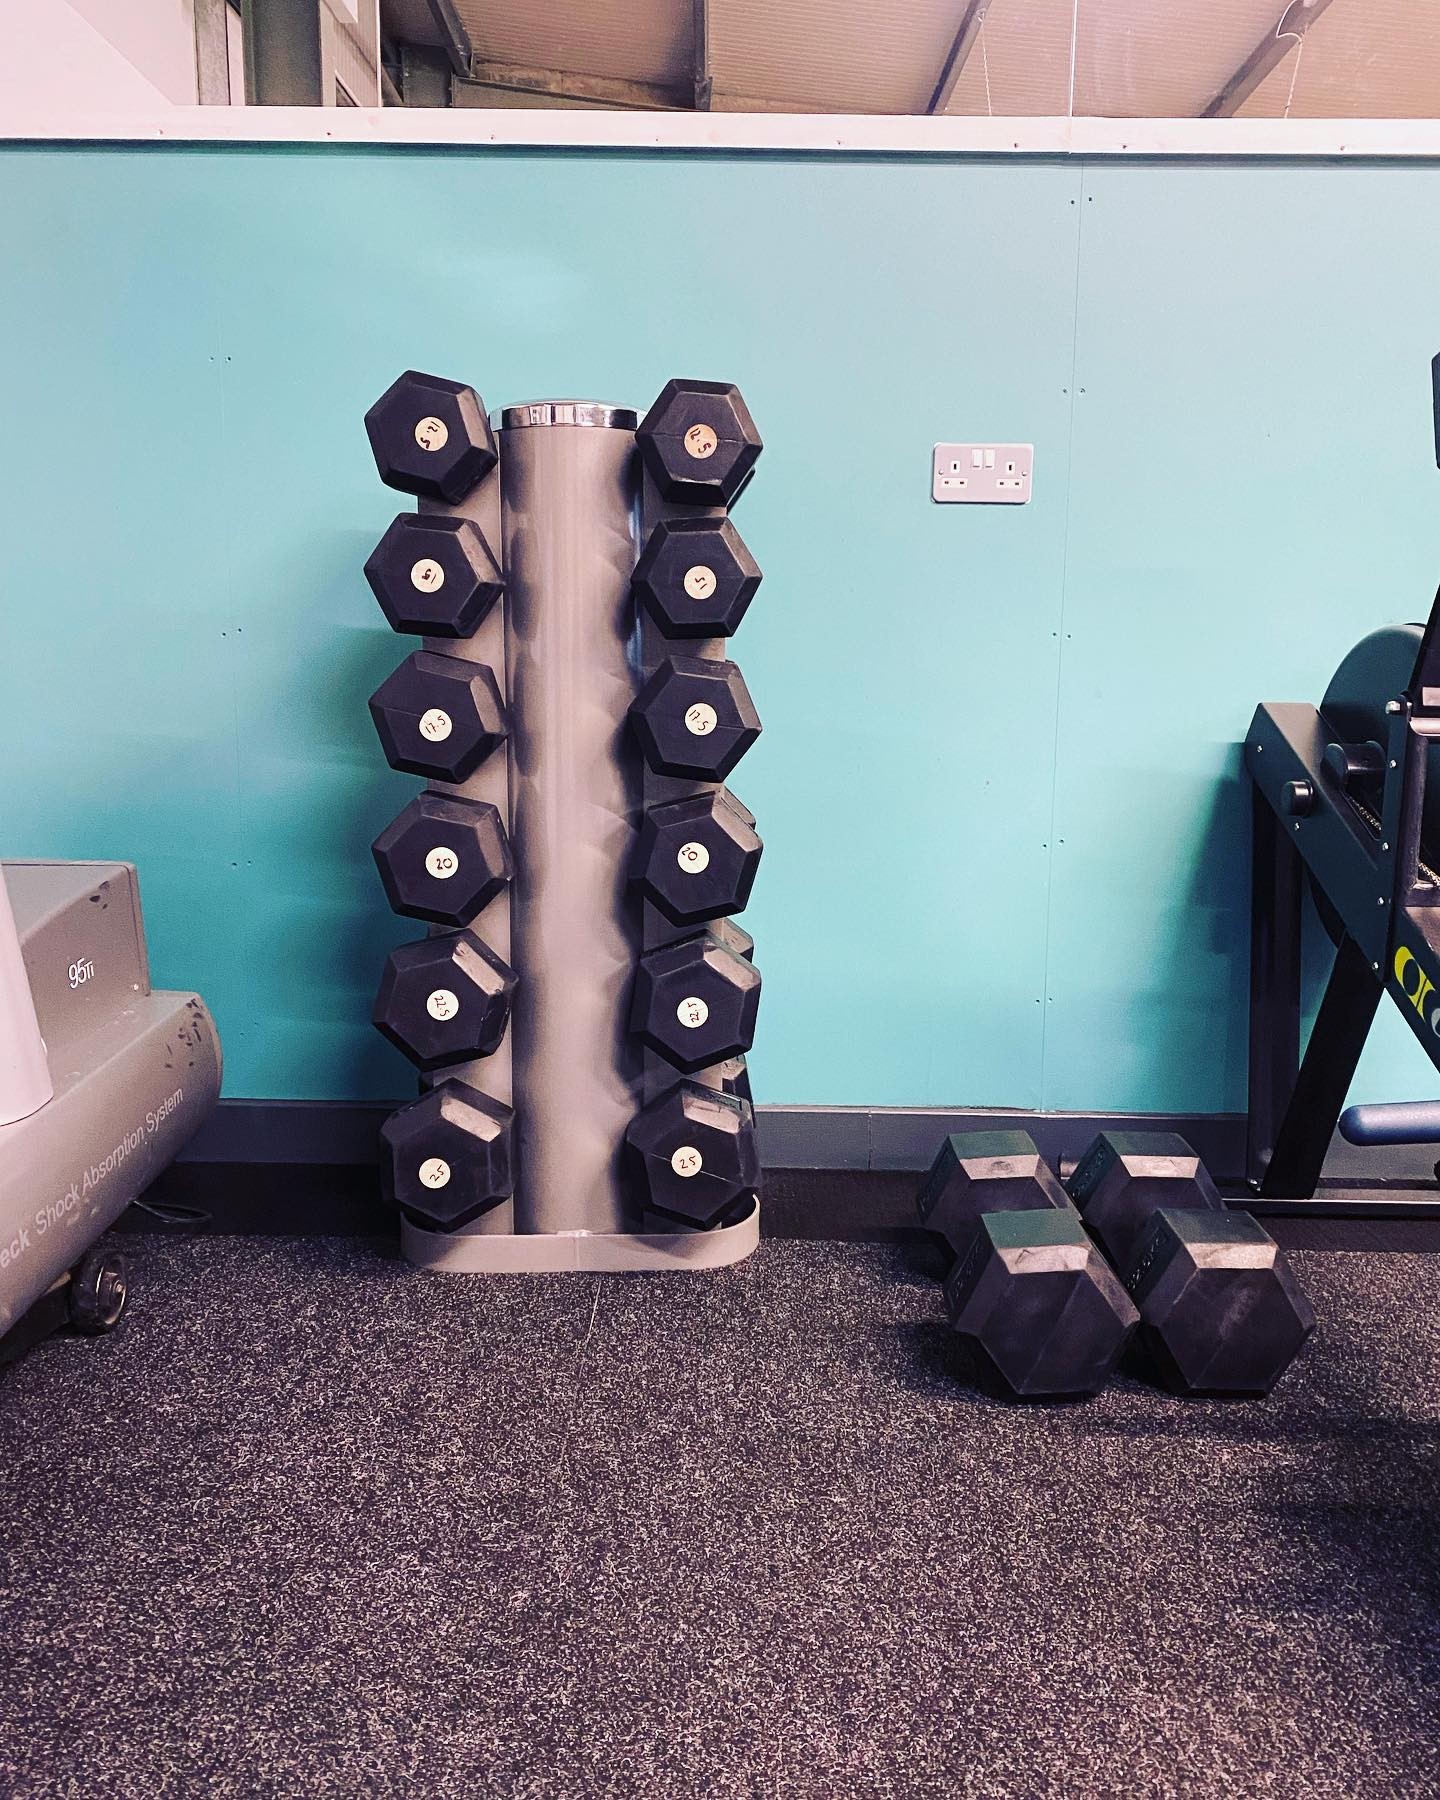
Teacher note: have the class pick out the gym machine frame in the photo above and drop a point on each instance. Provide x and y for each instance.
(1312, 812)
(574, 787)
(1339, 792)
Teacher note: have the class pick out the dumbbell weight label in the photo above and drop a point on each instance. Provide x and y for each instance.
(436, 725)
(699, 582)
(435, 1172)
(427, 576)
(432, 433)
(701, 719)
(441, 863)
(693, 859)
(692, 1012)
(687, 1161)
(442, 1004)
(701, 442)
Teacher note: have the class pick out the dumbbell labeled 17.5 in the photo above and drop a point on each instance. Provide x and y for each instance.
(1029, 1294)
(698, 442)
(694, 717)
(439, 716)
(1220, 1310)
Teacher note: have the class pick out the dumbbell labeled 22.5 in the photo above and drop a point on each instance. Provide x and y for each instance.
(695, 1002)
(445, 999)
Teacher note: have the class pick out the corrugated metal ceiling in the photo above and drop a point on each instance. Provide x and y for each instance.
(1133, 58)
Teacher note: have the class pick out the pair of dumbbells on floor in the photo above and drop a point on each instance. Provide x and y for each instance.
(1051, 1284)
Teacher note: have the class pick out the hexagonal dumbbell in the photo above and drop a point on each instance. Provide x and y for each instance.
(446, 1158)
(1035, 1303)
(444, 999)
(430, 436)
(695, 717)
(698, 442)
(695, 577)
(695, 1002)
(733, 937)
(434, 575)
(439, 716)
(694, 1154)
(443, 858)
(696, 858)
(1220, 1310)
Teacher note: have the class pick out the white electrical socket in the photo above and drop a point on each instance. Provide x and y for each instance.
(993, 474)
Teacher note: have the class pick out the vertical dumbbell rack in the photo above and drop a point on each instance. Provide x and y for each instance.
(581, 1009)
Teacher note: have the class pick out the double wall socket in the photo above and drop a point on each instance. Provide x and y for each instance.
(995, 474)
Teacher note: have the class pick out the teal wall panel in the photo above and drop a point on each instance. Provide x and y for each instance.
(998, 782)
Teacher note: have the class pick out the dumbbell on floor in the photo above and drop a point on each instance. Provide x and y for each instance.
(446, 1158)
(1029, 1294)
(1220, 1310)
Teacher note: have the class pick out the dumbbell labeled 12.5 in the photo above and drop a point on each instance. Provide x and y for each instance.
(695, 1153)
(446, 1158)
(695, 717)
(698, 442)
(431, 437)
(696, 858)
(695, 1002)
(1029, 1294)
(444, 858)
(439, 716)
(696, 578)
(1220, 1310)
(445, 999)
(434, 575)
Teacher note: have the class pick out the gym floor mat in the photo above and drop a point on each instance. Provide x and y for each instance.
(313, 1523)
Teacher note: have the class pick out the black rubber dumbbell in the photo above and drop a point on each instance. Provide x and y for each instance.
(444, 999)
(695, 1002)
(696, 858)
(1220, 1310)
(443, 858)
(439, 716)
(695, 577)
(1029, 1294)
(695, 1158)
(430, 436)
(434, 575)
(698, 442)
(695, 717)
(447, 1157)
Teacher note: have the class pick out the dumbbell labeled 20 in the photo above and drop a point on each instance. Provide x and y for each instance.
(559, 1100)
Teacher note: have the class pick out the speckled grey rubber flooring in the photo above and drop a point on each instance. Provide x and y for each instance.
(314, 1525)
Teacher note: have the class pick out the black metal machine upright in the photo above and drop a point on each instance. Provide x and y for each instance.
(1348, 793)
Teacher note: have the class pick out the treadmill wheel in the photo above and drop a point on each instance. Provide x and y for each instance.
(97, 1293)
